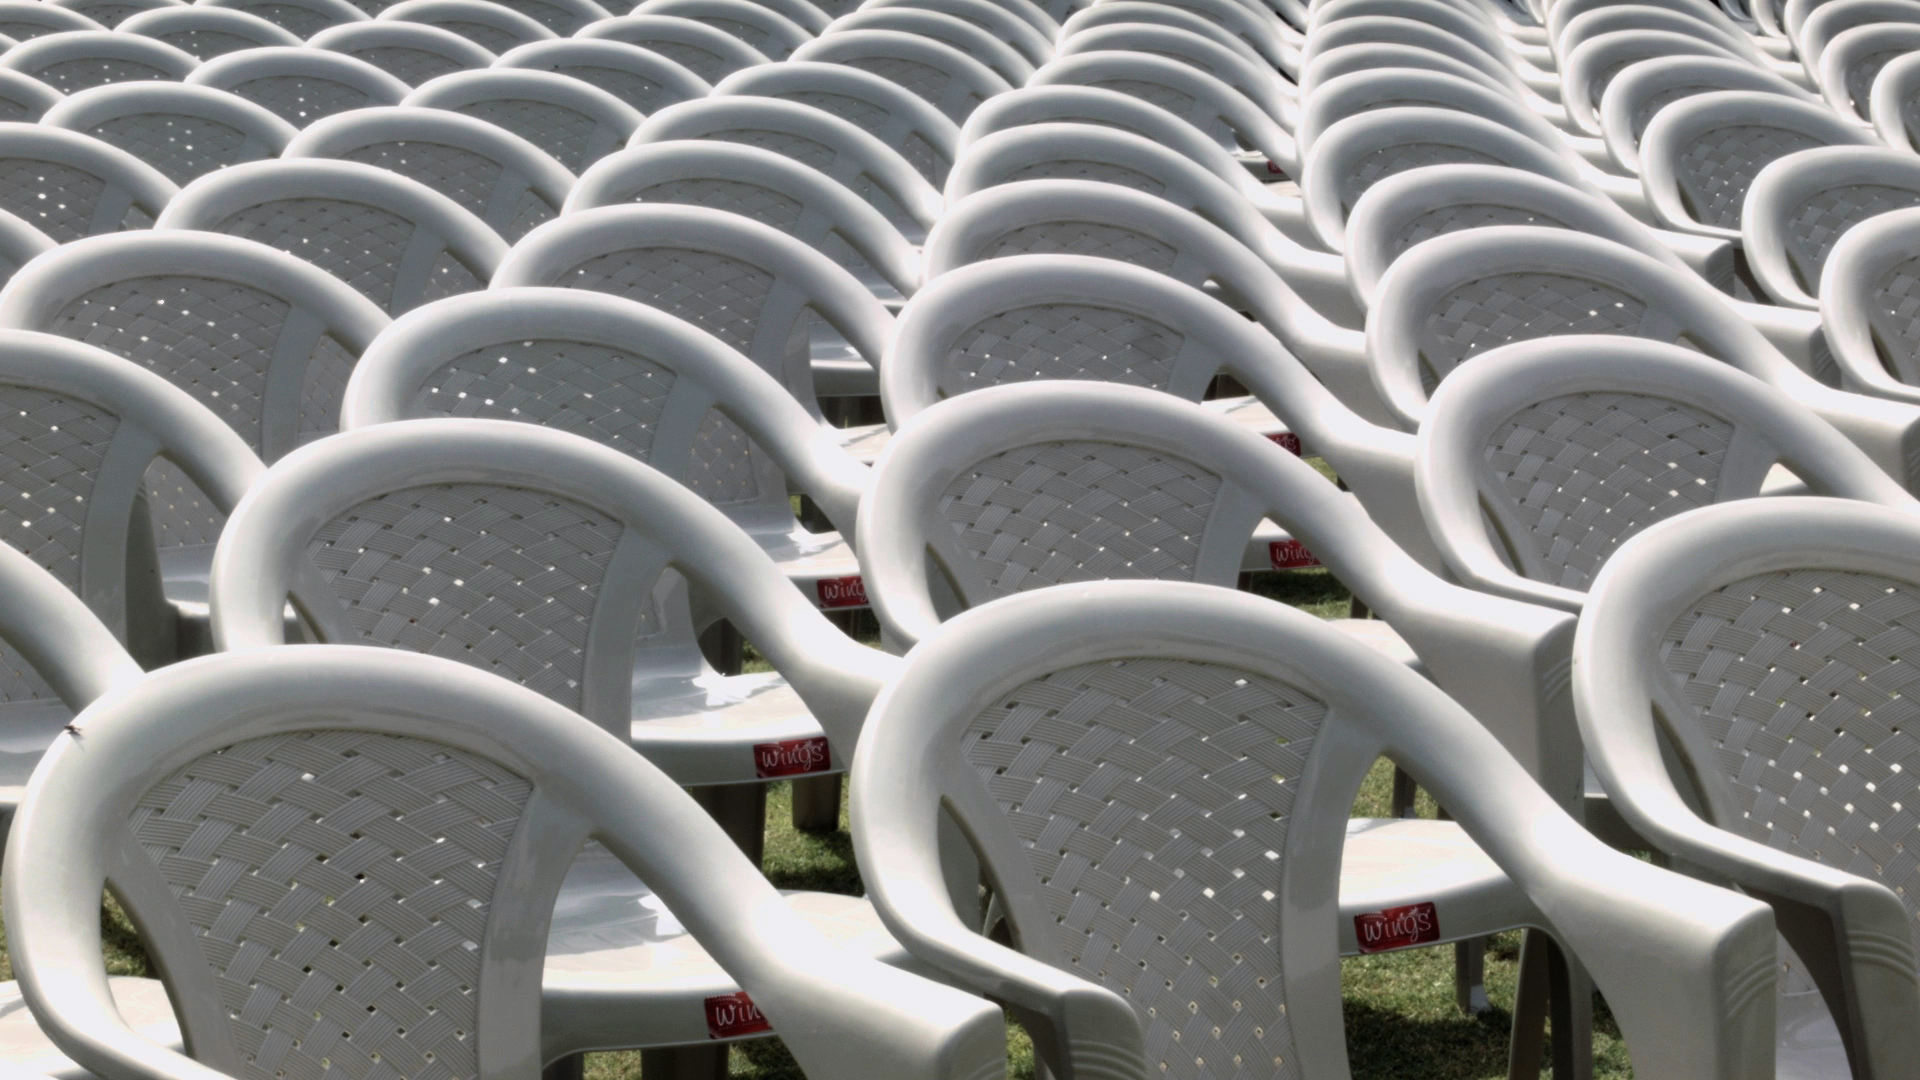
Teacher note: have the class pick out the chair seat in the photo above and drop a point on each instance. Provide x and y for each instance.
(1248, 412)
(820, 564)
(23, 1046)
(1393, 863)
(865, 441)
(703, 729)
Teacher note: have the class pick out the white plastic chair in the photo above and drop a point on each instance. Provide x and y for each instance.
(975, 41)
(396, 241)
(1699, 156)
(300, 85)
(1799, 205)
(919, 132)
(110, 13)
(302, 18)
(77, 59)
(767, 187)
(1372, 32)
(502, 179)
(207, 32)
(484, 783)
(572, 120)
(1015, 22)
(710, 53)
(1864, 303)
(1274, 94)
(563, 17)
(789, 308)
(494, 27)
(1568, 24)
(809, 16)
(640, 77)
(183, 131)
(1644, 87)
(22, 20)
(1763, 634)
(1894, 103)
(1853, 59)
(69, 185)
(411, 52)
(1466, 24)
(815, 138)
(1313, 710)
(761, 28)
(942, 75)
(1541, 458)
(1253, 30)
(1834, 19)
(1591, 67)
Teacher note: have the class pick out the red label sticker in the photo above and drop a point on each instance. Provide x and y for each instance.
(1288, 441)
(1290, 555)
(1275, 169)
(1397, 928)
(794, 757)
(842, 592)
(730, 1015)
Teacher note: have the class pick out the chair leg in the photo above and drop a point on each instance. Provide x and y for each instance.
(685, 1063)
(1526, 1048)
(1551, 983)
(1470, 975)
(571, 1067)
(741, 809)
(1405, 791)
(816, 803)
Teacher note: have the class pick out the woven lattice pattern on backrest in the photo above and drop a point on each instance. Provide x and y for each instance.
(808, 152)
(1093, 238)
(410, 66)
(1585, 472)
(1377, 165)
(721, 470)
(707, 65)
(1496, 310)
(1177, 102)
(552, 16)
(1153, 798)
(300, 100)
(51, 448)
(20, 30)
(207, 44)
(357, 243)
(1800, 680)
(302, 22)
(720, 295)
(182, 514)
(339, 885)
(1061, 341)
(111, 15)
(448, 277)
(502, 578)
(741, 197)
(1464, 216)
(1080, 511)
(752, 35)
(1816, 224)
(183, 147)
(73, 76)
(1716, 168)
(1105, 172)
(1653, 103)
(1861, 75)
(532, 211)
(636, 90)
(921, 80)
(565, 133)
(57, 199)
(1894, 312)
(460, 174)
(491, 38)
(329, 367)
(864, 115)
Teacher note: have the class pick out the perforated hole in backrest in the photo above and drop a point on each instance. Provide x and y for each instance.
(59, 200)
(360, 244)
(1816, 224)
(339, 884)
(1800, 680)
(1061, 341)
(503, 578)
(722, 296)
(1377, 165)
(1463, 216)
(1153, 798)
(1096, 239)
(73, 76)
(458, 173)
(741, 197)
(1079, 511)
(1582, 473)
(410, 66)
(180, 146)
(1503, 308)
(1104, 172)
(300, 99)
(1717, 166)
(565, 133)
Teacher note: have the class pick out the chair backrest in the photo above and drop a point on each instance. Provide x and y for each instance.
(22, 20)
(300, 85)
(1229, 116)
(1700, 155)
(575, 122)
(20, 243)
(817, 139)
(395, 240)
(23, 98)
(70, 185)
(916, 130)
(766, 31)
(973, 40)
(1641, 89)
(302, 18)
(262, 339)
(207, 32)
(640, 77)
(1894, 103)
(1357, 92)
(1564, 12)
(109, 14)
(707, 51)
(183, 131)
(1409, 208)
(411, 52)
(499, 177)
(416, 763)
(74, 60)
(752, 286)
(494, 27)
(1354, 154)
(1392, 32)
(1854, 58)
(1645, 18)
(1591, 67)
(625, 375)
(766, 187)
(1253, 78)
(1541, 458)
(1015, 22)
(1471, 27)
(1366, 56)
(1866, 305)
(942, 75)
(563, 17)
(1799, 205)
(1253, 31)
(1834, 19)
(807, 15)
